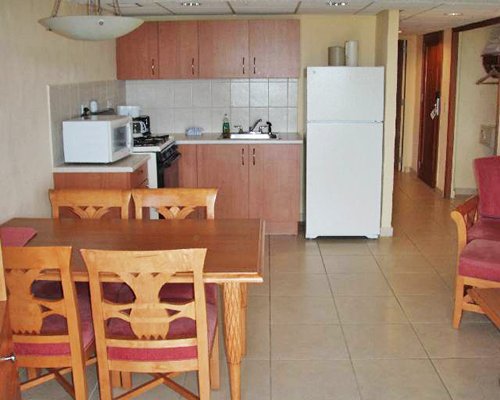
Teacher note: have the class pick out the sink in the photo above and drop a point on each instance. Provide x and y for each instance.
(254, 136)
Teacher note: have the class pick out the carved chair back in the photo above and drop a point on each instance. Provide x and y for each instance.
(175, 203)
(90, 203)
(146, 316)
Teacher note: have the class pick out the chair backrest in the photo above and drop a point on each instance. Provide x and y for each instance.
(90, 203)
(175, 203)
(42, 320)
(147, 318)
(487, 172)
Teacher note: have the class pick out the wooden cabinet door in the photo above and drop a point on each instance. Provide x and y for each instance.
(274, 48)
(188, 176)
(223, 49)
(274, 186)
(178, 49)
(9, 384)
(226, 168)
(137, 53)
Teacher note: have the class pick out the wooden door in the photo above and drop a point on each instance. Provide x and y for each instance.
(178, 49)
(429, 107)
(274, 48)
(188, 176)
(223, 49)
(274, 186)
(9, 384)
(137, 53)
(226, 168)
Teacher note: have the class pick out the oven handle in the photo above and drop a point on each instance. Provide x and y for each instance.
(168, 163)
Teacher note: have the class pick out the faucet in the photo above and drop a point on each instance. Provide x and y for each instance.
(252, 128)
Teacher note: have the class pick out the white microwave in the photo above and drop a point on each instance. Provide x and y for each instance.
(97, 139)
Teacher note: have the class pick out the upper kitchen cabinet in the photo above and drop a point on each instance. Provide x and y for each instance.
(223, 49)
(274, 48)
(137, 53)
(178, 50)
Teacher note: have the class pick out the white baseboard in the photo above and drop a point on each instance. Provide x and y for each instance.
(386, 231)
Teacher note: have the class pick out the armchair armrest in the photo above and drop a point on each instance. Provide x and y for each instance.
(465, 215)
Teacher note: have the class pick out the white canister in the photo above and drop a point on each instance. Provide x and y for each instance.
(351, 53)
(94, 107)
(336, 56)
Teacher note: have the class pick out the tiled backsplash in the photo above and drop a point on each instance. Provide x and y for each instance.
(65, 102)
(176, 105)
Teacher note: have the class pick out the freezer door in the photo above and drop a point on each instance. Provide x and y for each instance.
(343, 179)
(345, 94)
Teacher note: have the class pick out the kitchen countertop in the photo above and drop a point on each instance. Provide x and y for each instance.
(215, 138)
(127, 164)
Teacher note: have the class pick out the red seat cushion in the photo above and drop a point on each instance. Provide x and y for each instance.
(56, 325)
(182, 327)
(485, 228)
(481, 259)
(487, 171)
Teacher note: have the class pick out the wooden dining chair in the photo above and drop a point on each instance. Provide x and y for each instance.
(90, 203)
(175, 203)
(144, 333)
(53, 332)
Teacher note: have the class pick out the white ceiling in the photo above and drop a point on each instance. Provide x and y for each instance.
(416, 16)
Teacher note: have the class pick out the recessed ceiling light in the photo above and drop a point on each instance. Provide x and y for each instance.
(336, 3)
(454, 14)
(190, 4)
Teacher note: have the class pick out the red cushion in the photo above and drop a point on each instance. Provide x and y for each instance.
(487, 171)
(481, 259)
(485, 228)
(182, 327)
(184, 291)
(56, 325)
(16, 236)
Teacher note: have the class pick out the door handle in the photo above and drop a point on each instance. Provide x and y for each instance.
(11, 358)
(253, 156)
(192, 66)
(153, 66)
(254, 65)
(243, 65)
(242, 156)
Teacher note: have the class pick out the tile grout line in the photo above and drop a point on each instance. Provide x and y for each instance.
(358, 386)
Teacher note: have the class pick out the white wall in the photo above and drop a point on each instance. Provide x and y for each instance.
(476, 105)
(31, 58)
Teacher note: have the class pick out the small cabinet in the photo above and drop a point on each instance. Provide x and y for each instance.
(187, 166)
(137, 53)
(254, 181)
(9, 383)
(274, 48)
(223, 49)
(178, 50)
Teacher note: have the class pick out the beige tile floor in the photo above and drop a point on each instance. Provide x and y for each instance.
(353, 319)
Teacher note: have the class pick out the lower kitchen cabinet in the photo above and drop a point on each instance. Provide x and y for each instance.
(102, 180)
(254, 181)
(225, 167)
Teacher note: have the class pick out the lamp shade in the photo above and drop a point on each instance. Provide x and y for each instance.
(91, 27)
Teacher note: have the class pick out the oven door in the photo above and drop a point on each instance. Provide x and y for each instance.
(168, 172)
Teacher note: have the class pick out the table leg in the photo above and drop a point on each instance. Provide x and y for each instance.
(244, 295)
(231, 293)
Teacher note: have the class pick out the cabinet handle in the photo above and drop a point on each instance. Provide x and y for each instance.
(11, 358)
(243, 65)
(254, 65)
(242, 156)
(253, 156)
(192, 66)
(153, 66)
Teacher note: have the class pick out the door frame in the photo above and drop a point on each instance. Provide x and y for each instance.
(450, 141)
(401, 104)
(422, 109)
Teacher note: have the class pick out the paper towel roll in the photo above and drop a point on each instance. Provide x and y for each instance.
(351, 53)
(336, 56)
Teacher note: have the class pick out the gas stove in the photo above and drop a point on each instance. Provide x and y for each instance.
(151, 144)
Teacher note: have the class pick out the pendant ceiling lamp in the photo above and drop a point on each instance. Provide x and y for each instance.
(94, 25)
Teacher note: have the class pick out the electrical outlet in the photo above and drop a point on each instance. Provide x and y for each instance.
(487, 135)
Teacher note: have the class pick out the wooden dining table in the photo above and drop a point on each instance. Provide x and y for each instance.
(235, 257)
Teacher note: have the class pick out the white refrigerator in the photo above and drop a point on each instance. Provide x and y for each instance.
(345, 110)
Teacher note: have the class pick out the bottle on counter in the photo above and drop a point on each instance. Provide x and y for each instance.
(225, 126)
